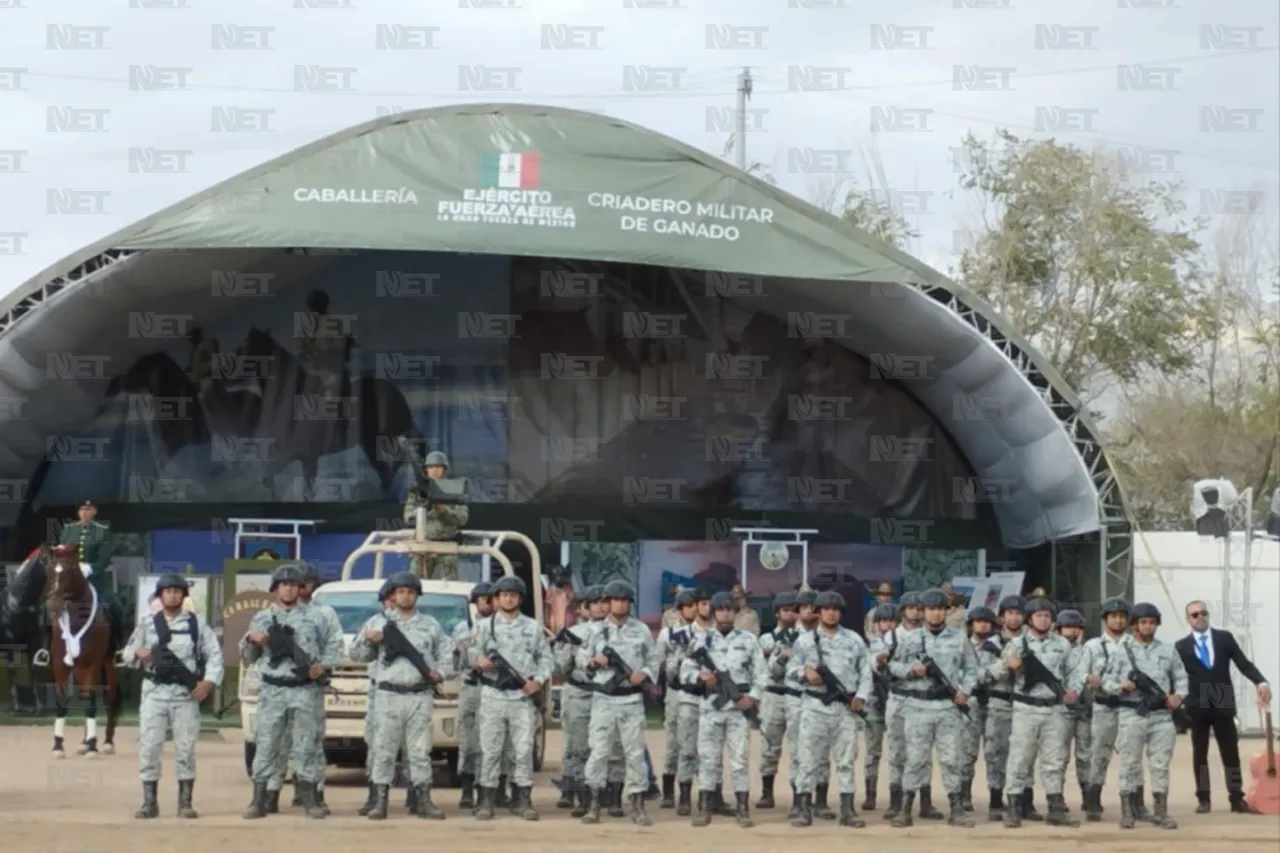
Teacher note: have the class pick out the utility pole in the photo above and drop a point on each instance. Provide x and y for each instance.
(744, 94)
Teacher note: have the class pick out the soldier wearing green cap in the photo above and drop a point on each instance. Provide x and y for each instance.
(92, 541)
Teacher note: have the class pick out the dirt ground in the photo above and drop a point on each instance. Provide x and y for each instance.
(83, 806)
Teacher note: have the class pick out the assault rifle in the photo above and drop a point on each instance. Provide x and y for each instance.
(396, 645)
(567, 636)
(992, 646)
(787, 637)
(679, 637)
(1035, 672)
(622, 671)
(1153, 696)
(932, 670)
(507, 677)
(836, 691)
(167, 667)
(282, 645)
(726, 692)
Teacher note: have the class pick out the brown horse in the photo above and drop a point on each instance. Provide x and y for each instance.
(68, 594)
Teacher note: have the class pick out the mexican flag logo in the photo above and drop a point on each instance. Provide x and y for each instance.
(517, 171)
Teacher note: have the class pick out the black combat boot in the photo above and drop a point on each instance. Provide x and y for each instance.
(1029, 806)
(324, 807)
(1128, 812)
(1160, 812)
(849, 817)
(370, 800)
(568, 793)
(869, 801)
(1093, 804)
(297, 801)
(706, 804)
(310, 801)
(895, 802)
(468, 798)
(273, 802)
(685, 806)
(427, 810)
(1086, 798)
(766, 793)
(501, 795)
(186, 791)
(524, 804)
(1013, 812)
(958, 817)
(150, 806)
(722, 808)
(820, 808)
(794, 810)
(927, 811)
(591, 808)
(484, 802)
(1140, 805)
(257, 807)
(903, 818)
(411, 800)
(1058, 815)
(804, 811)
(743, 810)
(966, 795)
(653, 791)
(516, 807)
(381, 802)
(582, 799)
(668, 791)
(615, 800)
(638, 815)
(995, 811)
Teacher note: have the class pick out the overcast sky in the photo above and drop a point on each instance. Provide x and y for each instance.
(1207, 103)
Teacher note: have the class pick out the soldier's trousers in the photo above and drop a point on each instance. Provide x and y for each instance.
(874, 728)
(934, 725)
(506, 726)
(795, 713)
(371, 727)
(828, 733)
(894, 732)
(155, 718)
(404, 722)
(1042, 733)
(1155, 734)
(1080, 744)
(721, 731)
(575, 721)
(468, 730)
(282, 763)
(773, 731)
(690, 715)
(1103, 735)
(299, 710)
(671, 732)
(974, 734)
(995, 742)
(436, 567)
(618, 719)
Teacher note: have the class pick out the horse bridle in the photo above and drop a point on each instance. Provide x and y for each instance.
(55, 599)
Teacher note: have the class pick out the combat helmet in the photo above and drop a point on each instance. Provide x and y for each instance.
(685, 598)
(309, 573)
(1040, 605)
(288, 573)
(1144, 610)
(910, 599)
(722, 601)
(1115, 605)
(980, 614)
(481, 590)
(436, 457)
(1069, 619)
(701, 594)
(805, 598)
(1012, 602)
(619, 589)
(934, 599)
(885, 612)
(785, 598)
(828, 599)
(172, 580)
(404, 579)
(510, 583)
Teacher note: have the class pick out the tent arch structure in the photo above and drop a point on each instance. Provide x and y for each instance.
(590, 179)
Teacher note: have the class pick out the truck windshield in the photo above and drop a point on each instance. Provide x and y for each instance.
(354, 608)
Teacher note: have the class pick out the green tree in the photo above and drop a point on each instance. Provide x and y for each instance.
(1098, 271)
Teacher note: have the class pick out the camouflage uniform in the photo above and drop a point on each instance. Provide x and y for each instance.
(575, 707)
(1151, 731)
(166, 703)
(1080, 720)
(617, 707)
(288, 698)
(371, 715)
(874, 723)
(405, 706)
(1100, 655)
(986, 649)
(690, 714)
(508, 717)
(829, 730)
(1040, 723)
(930, 714)
(894, 717)
(995, 701)
(672, 642)
(737, 655)
(443, 523)
(775, 646)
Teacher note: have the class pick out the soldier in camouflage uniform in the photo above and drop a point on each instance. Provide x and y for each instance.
(371, 713)
(981, 623)
(443, 523)
(1100, 658)
(934, 708)
(464, 634)
(776, 646)
(575, 705)
(1070, 625)
(508, 714)
(617, 702)
(690, 705)
(829, 729)
(883, 619)
(404, 708)
(808, 623)
(997, 691)
(673, 642)
(289, 697)
(1040, 722)
(736, 654)
(167, 704)
(911, 617)
(1150, 731)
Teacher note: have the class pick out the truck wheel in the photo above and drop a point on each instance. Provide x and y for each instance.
(250, 750)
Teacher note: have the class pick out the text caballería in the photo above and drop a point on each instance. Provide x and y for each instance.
(329, 195)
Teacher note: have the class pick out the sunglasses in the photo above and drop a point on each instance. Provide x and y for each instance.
(1198, 613)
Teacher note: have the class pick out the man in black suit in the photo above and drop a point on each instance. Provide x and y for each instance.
(1207, 653)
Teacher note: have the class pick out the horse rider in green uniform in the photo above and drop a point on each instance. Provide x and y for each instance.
(443, 522)
(93, 543)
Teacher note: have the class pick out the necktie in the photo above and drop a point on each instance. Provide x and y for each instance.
(1202, 642)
